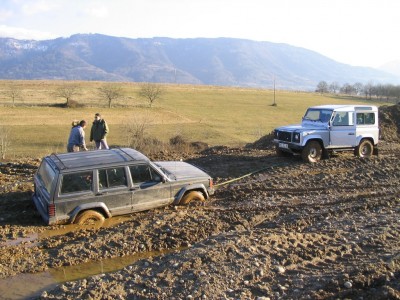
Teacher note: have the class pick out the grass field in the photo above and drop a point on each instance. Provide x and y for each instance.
(214, 115)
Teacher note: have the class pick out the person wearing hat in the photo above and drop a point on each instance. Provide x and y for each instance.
(99, 132)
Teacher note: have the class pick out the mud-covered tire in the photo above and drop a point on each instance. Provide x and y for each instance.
(90, 217)
(312, 152)
(364, 149)
(192, 196)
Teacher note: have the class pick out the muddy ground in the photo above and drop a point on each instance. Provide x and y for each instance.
(290, 230)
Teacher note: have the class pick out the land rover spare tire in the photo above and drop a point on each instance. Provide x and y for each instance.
(312, 152)
(192, 196)
(364, 149)
(89, 217)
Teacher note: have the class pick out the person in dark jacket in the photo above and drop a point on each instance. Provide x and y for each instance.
(76, 138)
(99, 132)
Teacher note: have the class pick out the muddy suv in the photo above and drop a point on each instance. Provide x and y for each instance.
(86, 187)
(329, 128)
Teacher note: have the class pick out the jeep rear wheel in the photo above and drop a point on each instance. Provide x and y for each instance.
(365, 149)
(90, 217)
(192, 196)
(312, 152)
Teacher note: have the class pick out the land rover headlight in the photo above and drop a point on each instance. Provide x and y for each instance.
(296, 137)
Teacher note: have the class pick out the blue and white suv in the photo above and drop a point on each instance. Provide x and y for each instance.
(329, 128)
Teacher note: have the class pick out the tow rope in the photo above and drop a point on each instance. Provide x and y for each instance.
(241, 177)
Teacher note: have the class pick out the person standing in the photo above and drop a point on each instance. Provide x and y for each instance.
(76, 138)
(99, 132)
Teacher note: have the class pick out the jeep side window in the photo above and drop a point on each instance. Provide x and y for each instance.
(365, 118)
(144, 173)
(114, 177)
(76, 182)
(342, 118)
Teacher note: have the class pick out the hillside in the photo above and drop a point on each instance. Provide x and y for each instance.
(221, 61)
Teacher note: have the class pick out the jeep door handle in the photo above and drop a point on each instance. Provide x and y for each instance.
(351, 133)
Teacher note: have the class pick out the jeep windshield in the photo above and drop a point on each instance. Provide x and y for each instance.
(318, 115)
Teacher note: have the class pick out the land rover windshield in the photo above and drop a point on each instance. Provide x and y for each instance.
(318, 115)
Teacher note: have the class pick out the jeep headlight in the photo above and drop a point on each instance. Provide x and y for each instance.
(296, 137)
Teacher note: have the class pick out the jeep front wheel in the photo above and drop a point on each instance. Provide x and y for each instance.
(192, 196)
(90, 217)
(365, 149)
(312, 152)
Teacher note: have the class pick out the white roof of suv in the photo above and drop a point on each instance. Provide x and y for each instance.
(346, 107)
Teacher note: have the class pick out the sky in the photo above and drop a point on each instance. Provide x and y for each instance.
(354, 32)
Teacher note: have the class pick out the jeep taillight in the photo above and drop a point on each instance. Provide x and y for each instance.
(51, 208)
(211, 183)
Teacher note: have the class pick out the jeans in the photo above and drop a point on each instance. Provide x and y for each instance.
(102, 144)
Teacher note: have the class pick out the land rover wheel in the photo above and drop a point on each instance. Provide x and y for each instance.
(365, 149)
(90, 218)
(192, 196)
(312, 152)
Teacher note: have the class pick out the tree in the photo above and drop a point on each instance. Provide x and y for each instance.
(322, 87)
(334, 87)
(150, 91)
(110, 92)
(368, 89)
(358, 88)
(13, 93)
(347, 89)
(67, 91)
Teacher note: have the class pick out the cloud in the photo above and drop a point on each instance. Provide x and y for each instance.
(98, 12)
(5, 14)
(23, 33)
(37, 7)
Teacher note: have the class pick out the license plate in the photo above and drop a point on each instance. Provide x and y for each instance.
(283, 145)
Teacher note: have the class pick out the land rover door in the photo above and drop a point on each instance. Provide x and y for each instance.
(342, 130)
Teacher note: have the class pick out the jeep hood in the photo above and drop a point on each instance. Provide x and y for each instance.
(179, 170)
(304, 126)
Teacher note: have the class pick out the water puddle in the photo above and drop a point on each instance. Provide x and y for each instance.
(30, 240)
(30, 286)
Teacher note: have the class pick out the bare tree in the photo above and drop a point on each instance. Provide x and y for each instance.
(150, 91)
(13, 92)
(322, 87)
(110, 92)
(67, 91)
(334, 87)
(5, 140)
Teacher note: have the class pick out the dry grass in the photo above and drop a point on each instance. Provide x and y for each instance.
(214, 115)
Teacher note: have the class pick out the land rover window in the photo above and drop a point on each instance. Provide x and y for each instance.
(365, 118)
(143, 173)
(110, 178)
(76, 182)
(46, 175)
(343, 118)
(322, 115)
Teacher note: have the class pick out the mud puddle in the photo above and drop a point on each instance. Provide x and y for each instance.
(32, 239)
(31, 286)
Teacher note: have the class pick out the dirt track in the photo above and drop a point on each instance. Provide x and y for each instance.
(290, 230)
(329, 230)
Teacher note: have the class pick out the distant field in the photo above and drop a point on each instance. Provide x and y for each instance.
(214, 115)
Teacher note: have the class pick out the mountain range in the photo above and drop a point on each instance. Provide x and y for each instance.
(209, 61)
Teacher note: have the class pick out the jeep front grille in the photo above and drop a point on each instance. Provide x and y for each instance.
(284, 136)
